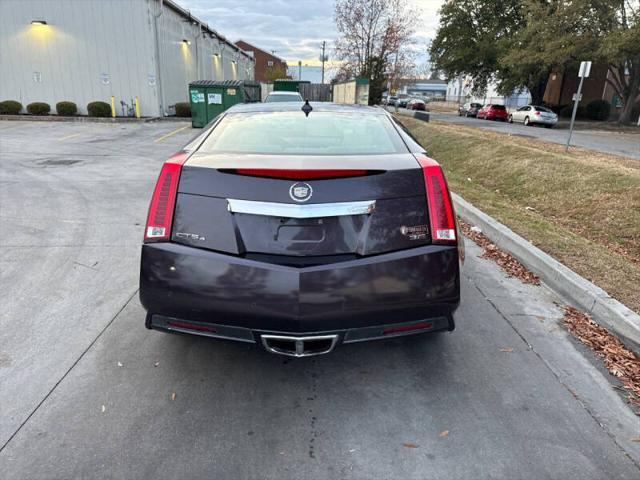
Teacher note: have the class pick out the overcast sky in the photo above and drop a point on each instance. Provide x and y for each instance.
(295, 29)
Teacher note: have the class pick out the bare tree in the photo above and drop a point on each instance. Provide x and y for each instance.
(373, 38)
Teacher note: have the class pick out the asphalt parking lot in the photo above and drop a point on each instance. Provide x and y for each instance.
(625, 144)
(87, 392)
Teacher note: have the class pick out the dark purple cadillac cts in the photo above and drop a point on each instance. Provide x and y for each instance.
(299, 230)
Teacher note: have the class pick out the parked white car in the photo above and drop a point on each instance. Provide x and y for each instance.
(532, 114)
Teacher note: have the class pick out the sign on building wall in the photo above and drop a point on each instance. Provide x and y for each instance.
(151, 78)
(105, 78)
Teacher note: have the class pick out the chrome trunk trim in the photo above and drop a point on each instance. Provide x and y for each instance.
(313, 210)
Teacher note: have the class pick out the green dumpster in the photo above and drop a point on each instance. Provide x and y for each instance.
(288, 85)
(209, 98)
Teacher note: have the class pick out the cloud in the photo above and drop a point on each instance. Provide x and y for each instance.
(295, 29)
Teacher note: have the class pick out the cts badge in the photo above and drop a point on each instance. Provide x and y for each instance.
(300, 192)
(417, 232)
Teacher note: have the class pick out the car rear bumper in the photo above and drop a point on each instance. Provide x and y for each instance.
(242, 299)
(545, 121)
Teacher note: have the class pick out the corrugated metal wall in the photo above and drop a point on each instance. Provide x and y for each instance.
(93, 49)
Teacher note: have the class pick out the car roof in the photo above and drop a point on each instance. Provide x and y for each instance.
(284, 93)
(295, 107)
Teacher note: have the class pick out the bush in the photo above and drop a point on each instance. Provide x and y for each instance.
(38, 108)
(566, 111)
(183, 109)
(99, 109)
(10, 107)
(598, 110)
(557, 108)
(66, 109)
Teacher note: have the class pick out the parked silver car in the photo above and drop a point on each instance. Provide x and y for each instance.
(532, 114)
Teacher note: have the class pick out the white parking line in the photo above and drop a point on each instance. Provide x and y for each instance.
(68, 137)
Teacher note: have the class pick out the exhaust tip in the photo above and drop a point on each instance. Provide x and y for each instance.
(299, 346)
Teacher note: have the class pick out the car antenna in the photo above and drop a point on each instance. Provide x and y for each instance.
(306, 108)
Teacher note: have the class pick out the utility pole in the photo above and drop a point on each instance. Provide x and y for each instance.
(585, 68)
(323, 58)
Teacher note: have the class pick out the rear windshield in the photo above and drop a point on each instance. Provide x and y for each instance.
(321, 133)
(498, 107)
(283, 98)
(543, 109)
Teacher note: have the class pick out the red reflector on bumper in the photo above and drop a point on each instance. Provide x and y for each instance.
(408, 328)
(191, 326)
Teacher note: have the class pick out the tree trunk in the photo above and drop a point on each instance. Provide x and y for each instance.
(537, 91)
(630, 101)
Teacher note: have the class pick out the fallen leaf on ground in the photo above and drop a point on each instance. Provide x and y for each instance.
(120, 364)
(410, 445)
(444, 434)
(619, 360)
(103, 409)
(352, 450)
(635, 439)
(173, 396)
(510, 265)
(507, 350)
(156, 364)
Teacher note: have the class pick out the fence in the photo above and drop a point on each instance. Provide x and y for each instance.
(315, 92)
(352, 91)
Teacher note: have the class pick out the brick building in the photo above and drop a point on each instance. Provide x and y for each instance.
(268, 67)
(562, 86)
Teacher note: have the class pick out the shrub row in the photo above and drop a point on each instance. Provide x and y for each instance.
(183, 109)
(595, 110)
(66, 109)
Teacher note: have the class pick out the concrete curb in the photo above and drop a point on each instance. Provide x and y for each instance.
(580, 292)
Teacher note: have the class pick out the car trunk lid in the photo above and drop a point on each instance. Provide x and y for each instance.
(300, 206)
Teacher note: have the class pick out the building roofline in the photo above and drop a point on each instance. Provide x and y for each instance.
(205, 27)
(262, 50)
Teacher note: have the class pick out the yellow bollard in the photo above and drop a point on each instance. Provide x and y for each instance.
(113, 106)
(137, 108)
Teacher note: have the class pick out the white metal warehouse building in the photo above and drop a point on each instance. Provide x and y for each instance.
(89, 50)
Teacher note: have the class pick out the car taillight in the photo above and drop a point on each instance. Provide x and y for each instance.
(537, 113)
(298, 174)
(163, 201)
(441, 216)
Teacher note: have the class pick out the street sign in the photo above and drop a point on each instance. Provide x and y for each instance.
(585, 68)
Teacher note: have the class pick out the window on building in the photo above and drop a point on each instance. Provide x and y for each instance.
(270, 63)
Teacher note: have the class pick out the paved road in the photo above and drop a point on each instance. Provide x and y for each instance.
(72, 344)
(625, 144)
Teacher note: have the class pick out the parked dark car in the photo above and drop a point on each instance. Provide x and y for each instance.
(416, 104)
(469, 109)
(402, 102)
(389, 100)
(493, 112)
(299, 231)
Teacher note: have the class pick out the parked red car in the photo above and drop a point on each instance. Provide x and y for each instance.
(416, 104)
(493, 112)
